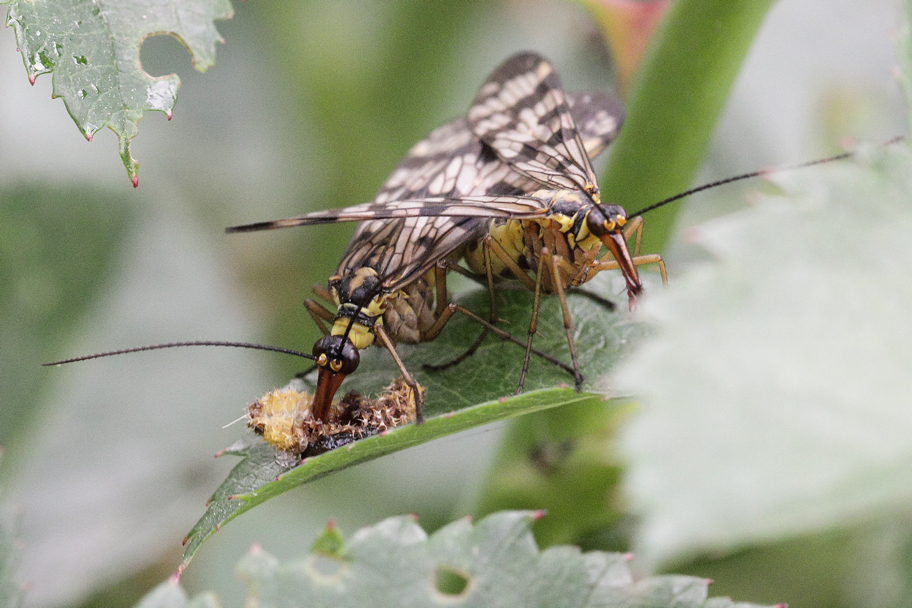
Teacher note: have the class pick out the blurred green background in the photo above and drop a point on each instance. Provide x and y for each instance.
(309, 106)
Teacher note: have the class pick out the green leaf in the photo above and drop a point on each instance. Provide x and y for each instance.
(778, 386)
(680, 91)
(462, 397)
(92, 47)
(395, 563)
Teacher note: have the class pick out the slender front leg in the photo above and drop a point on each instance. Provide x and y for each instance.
(406, 376)
(320, 315)
(607, 262)
(318, 312)
(640, 260)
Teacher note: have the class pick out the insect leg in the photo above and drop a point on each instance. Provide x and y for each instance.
(503, 335)
(453, 308)
(319, 314)
(406, 376)
(568, 320)
(533, 322)
(635, 225)
(323, 293)
(440, 280)
(640, 260)
(508, 261)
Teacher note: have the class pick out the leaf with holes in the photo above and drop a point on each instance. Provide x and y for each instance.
(495, 562)
(92, 48)
(462, 397)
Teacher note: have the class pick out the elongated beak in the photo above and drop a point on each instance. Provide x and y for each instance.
(616, 244)
(328, 383)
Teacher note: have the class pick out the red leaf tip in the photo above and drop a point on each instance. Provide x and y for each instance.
(135, 180)
(538, 514)
(88, 136)
(168, 114)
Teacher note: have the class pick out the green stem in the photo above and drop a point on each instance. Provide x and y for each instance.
(677, 97)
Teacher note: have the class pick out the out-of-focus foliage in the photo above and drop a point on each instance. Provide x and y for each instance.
(789, 355)
(48, 259)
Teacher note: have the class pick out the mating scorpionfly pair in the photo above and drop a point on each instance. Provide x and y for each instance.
(509, 190)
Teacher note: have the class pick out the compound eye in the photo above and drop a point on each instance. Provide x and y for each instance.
(327, 348)
(349, 360)
(341, 356)
(597, 223)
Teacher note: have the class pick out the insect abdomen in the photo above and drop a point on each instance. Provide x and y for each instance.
(509, 234)
(410, 312)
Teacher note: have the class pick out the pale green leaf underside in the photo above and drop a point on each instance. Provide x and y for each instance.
(457, 399)
(92, 48)
(778, 388)
(11, 592)
(395, 563)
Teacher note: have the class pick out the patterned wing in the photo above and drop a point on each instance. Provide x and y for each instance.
(412, 222)
(523, 114)
(451, 163)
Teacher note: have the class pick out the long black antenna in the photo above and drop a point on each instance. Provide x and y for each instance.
(140, 349)
(743, 176)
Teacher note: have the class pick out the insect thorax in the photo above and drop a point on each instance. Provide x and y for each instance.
(405, 313)
(350, 292)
